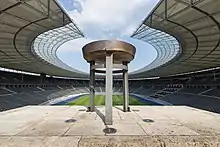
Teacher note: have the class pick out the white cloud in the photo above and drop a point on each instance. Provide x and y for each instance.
(118, 16)
(106, 19)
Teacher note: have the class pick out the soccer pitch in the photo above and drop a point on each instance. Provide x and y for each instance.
(100, 100)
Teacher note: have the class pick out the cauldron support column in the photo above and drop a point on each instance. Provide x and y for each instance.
(125, 89)
(91, 87)
(108, 89)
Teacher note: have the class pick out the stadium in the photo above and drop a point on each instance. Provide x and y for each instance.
(173, 101)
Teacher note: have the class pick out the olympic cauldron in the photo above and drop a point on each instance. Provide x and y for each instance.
(114, 56)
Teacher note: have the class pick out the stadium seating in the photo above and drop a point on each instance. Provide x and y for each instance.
(213, 92)
(194, 90)
(4, 91)
(200, 92)
(197, 101)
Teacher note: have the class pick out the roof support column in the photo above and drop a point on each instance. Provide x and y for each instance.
(22, 78)
(42, 78)
(214, 76)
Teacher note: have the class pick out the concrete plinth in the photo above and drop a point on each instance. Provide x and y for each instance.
(51, 126)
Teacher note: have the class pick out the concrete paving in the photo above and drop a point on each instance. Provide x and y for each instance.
(53, 126)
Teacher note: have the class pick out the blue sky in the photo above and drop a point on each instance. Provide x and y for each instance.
(107, 19)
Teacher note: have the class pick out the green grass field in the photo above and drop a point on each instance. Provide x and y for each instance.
(100, 100)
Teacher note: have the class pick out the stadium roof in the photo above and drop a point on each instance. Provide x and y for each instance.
(31, 31)
(193, 41)
(185, 33)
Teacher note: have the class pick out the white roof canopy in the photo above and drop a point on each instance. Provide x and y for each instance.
(31, 32)
(196, 26)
